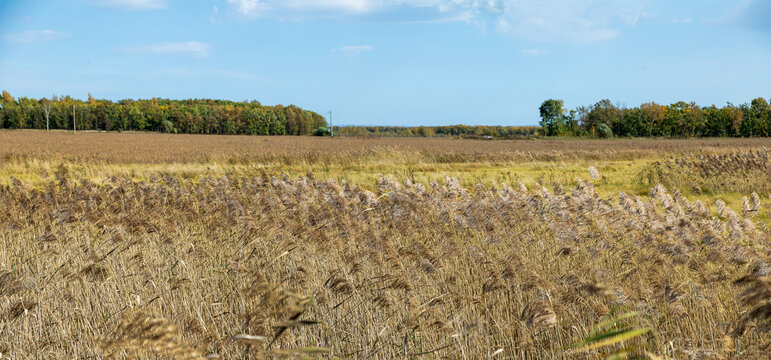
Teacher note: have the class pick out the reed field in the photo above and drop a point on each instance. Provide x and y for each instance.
(153, 246)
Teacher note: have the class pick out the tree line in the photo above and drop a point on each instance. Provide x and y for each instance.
(681, 119)
(194, 116)
(205, 116)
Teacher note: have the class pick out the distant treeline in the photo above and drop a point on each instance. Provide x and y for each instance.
(452, 130)
(681, 119)
(204, 116)
(199, 116)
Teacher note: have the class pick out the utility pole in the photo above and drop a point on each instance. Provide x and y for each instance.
(331, 132)
(74, 127)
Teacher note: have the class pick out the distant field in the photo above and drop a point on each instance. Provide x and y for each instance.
(183, 246)
(165, 148)
(33, 156)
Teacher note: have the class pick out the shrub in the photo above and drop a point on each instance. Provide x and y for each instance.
(168, 127)
(321, 131)
(604, 131)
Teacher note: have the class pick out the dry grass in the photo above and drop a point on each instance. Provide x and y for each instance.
(262, 266)
(154, 148)
(746, 171)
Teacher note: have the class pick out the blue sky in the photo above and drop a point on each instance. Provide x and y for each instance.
(392, 62)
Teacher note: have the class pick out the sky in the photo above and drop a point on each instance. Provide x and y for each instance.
(392, 62)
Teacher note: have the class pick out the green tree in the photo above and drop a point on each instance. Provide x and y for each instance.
(571, 123)
(229, 127)
(635, 123)
(654, 115)
(761, 110)
(755, 118)
(12, 116)
(717, 122)
(425, 131)
(7, 98)
(603, 112)
(553, 117)
(768, 121)
(137, 119)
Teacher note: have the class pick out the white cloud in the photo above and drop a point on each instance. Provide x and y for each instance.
(533, 52)
(346, 6)
(327, 8)
(540, 20)
(33, 36)
(249, 8)
(351, 51)
(213, 17)
(189, 48)
(132, 4)
(569, 20)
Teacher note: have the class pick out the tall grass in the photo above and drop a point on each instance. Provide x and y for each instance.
(745, 172)
(254, 267)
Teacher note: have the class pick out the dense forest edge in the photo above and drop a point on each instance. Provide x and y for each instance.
(681, 119)
(193, 116)
(603, 119)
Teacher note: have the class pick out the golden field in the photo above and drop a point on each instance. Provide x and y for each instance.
(180, 246)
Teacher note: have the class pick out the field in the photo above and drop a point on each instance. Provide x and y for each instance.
(180, 246)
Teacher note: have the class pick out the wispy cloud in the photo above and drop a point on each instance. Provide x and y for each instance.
(540, 20)
(569, 20)
(533, 52)
(248, 8)
(351, 51)
(345, 6)
(189, 48)
(131, 4)
(213, 17)
(33, 36)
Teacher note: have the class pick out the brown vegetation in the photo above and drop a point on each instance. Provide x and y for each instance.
(745, 172)
(165, 148)
(269, 266)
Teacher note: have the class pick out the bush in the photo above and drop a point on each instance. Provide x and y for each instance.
(321, 131)
(604, 131)
(168, 127)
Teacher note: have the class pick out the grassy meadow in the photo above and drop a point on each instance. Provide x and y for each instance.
(148, 246)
